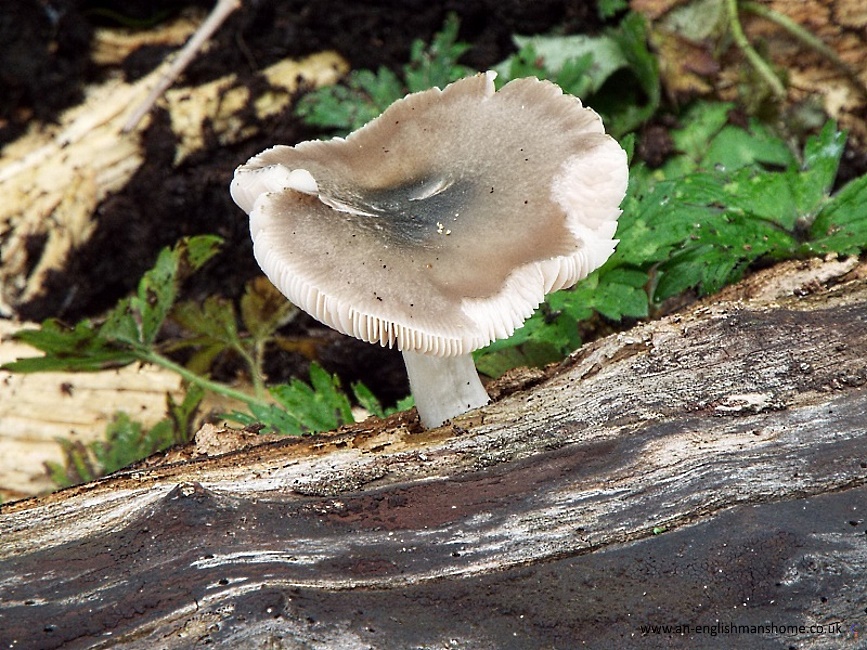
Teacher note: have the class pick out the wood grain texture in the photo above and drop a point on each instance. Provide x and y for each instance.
(707, 468)
(39, 409)
(55, 176)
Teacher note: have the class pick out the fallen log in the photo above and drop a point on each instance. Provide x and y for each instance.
(698, 481)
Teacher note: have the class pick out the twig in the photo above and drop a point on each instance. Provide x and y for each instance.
(759, 64)
(216, 18)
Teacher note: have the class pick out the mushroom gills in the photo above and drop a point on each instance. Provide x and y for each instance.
(443, 387)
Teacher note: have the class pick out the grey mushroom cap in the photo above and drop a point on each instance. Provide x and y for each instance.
(439, 226)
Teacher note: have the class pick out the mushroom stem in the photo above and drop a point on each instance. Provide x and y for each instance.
(443, 387)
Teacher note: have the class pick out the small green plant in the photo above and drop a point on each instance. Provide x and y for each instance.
(321, 405)
(211, 329)
(608, 8)
(126, 441)
(580, 64)
(365, 94)
(131, 334)
(731, 198)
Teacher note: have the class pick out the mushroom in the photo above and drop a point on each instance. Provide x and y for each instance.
(441, 225)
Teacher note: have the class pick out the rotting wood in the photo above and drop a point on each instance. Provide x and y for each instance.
(36, 410)
(709, 468)
(55, 175)
(39, 410)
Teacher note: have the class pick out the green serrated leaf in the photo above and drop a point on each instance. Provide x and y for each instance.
(577, 302)
(724, 245)
(524, 63)
(609, 8)
(822, 155)
(705, 228)
(200, 249)
(768, 197)
(242, 418)
(137, 321)
(94, 362)
(532, 354)
(129, 329)
(626, 112)
(576, 76)
(67, 349)
(276, 419)
(183, 414)
(580, 64)
(622, 294)
(157, 291)
(127, 442)
(702, 122)
(58, 475)
(318, 406)
(264, 309)
(531, 326)
(404, 404)
(685, 270)
(53, 337)
(733, 148)
(707, 142)
(121, 326)
(658, 222)
(545, 337)
(364, 94)
(367, 400)
(336, 408)
(841, 226)
(77, 467)
(213, 321)
(381, 89)
(436, 64)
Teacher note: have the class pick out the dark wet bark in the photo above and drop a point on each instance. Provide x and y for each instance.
(708, 469)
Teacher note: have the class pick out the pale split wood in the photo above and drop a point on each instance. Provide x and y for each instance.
(54, 176)
(38, 410)
(111, 45)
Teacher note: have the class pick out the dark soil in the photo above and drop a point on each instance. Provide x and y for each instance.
(44, 64)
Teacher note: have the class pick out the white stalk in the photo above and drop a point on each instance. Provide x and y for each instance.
(443, 387)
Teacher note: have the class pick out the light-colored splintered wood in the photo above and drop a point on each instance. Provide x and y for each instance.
(37, 410)
(110, 46)
(55, 175)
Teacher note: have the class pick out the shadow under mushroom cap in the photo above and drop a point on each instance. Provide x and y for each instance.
(440, 225)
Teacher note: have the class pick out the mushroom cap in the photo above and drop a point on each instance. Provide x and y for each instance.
(440, 225)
